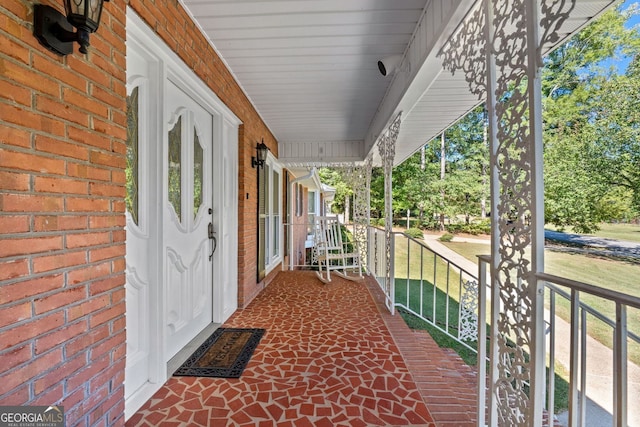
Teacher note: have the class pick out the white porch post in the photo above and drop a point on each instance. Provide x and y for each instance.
(498, 48)
(535, 159)
(387, 151)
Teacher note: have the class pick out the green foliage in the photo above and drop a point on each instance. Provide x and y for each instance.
(347, 238)
(379, 222)
(446, 237)
(592, 127)
(416, 182)
(402, 222)
(414, 233)
(475, 228)
(335, 179)
(591, 144)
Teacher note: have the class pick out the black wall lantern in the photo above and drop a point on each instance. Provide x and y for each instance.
(55, 31)
(261, 153)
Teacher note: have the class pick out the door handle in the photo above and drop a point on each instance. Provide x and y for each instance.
(212, 236)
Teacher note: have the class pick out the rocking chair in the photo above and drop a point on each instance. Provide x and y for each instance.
(333, 253)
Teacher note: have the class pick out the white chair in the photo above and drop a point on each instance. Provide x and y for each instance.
(333, 253)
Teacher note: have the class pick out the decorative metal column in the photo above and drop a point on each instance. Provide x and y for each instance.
(498, 48)
(359, 179)
(387, 150)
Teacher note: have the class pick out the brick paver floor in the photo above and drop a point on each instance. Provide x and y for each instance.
(331, 356)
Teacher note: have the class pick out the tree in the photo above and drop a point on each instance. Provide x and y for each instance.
(418, 182)
(616, 128)
(335, 178)
(591, 126)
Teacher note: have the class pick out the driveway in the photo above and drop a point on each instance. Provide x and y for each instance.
(597, 245)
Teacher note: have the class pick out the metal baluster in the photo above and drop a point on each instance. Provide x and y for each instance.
(433, 303)
(482, 341)
(446, 310)
(620, 367)
(460, 307)
(421, 280)
(552, 356)
(408, 269)
(573, 355)
(583, 367)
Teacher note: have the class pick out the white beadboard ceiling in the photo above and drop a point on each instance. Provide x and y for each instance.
(310, 68)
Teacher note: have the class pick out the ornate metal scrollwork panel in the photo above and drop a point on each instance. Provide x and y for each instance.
(468, 329)
(359, 179)
(387, 151)
(466, 51)
(508, 50)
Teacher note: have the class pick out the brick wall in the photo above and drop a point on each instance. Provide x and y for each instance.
(299, 226)
(62, 146)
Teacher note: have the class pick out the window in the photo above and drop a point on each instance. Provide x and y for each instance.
(312, 202)
(311, 212)
(269, 217)
(131, 198)
(198, 173)
(299, 199)
(175, 166)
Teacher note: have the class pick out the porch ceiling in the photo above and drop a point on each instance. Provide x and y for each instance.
(310, 69)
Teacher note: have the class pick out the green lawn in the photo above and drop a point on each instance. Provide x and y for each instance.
(414, 288)
(420, 293)
(630, 232)
(470, 357)
(616, 275)
(427, 266)
(419, 296)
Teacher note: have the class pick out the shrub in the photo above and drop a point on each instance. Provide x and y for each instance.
(402, 222)
(347, 238)
(446, 237)
(454, 228)
(431, 224)
(414, 233)
(475, 228)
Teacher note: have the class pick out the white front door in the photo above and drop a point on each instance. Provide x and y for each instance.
(142, 277)
(188, 211)
(182, 162)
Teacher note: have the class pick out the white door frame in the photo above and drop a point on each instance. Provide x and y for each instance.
(164, 64)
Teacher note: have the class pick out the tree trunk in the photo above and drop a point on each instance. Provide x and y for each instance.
(423, 166)
(483, 199)
(467, 217)
(347, 208)
(443, 164)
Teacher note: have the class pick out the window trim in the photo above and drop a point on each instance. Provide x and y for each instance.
(273, 261)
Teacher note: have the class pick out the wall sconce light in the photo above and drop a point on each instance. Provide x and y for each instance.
(55, 31)
(261, 153)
